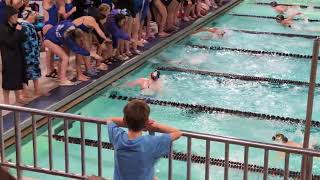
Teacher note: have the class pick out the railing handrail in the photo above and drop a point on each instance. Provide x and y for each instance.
(196, 135)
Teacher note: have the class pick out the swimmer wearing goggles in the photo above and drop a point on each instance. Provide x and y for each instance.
(284, 21)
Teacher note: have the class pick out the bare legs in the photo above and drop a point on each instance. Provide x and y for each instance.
(17, 94)
(64, 60)
(160, 13)
(172, 12)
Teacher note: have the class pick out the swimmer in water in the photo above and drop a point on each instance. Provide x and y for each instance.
(215, 31)
(148, 86)
(282, 9)
(284, 140)
(287, 22)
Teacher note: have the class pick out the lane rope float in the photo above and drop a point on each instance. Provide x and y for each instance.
(276, 34)
(302, 6)
(181, 156)
(235, 76)
(269, 17)
(249, 51)
(210, 109)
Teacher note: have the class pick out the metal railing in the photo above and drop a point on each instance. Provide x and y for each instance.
(191, 136)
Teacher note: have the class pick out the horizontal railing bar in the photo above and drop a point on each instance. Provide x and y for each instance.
(181, 156)
(185, 133)
(51, 113)
(43, 170)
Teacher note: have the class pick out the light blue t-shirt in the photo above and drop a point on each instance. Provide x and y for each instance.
(135, 159)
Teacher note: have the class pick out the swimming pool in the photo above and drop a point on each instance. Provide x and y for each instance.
(183, 87)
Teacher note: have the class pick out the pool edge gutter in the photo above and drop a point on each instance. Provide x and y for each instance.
(100, 83)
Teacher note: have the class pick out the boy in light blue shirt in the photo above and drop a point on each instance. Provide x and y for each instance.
(136, 154)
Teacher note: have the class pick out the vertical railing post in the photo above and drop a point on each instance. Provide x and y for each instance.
(99, 150)
(246, 159)
(207, 171)
(170, 163)
(50, 142)
(83, 150)
(313, 76)
(266, 164)
(66, 145)
(226, 161)
(1, 138)
(34, 141)
(189, 144)
(18, 144)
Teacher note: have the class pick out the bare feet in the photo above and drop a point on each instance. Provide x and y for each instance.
(163, 34)
(102, 67)
(39, 93)
(186, 19)
(66, 83)
(82, 77)
(22, 101)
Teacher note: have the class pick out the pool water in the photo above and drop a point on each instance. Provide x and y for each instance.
(281, 100)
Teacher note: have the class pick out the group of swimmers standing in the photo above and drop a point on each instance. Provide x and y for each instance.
(97, 32)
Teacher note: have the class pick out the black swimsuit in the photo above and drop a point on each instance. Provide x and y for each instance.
(166, 2)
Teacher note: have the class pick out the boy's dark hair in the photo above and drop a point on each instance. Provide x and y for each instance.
(136, 114)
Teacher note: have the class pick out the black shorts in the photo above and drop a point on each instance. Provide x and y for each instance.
(166, 2)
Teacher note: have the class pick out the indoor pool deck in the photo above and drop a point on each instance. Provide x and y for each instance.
(60, 96)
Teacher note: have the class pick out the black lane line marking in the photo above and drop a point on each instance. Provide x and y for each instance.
(210, 109)
(236, 76)
(182, 156)
(276, 34)
(302, 6)
(250, 51)
(269, 17)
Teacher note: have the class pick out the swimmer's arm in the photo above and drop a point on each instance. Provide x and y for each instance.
(134, 83)
(64, 14)
(93, 23)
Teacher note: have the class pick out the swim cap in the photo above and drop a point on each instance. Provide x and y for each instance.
(279, 18)
(155, 75)
(125, 12)
(273, 3)
(281, 137)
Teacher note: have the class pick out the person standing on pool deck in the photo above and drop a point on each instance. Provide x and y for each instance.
(12, 56)
(289, 10)
(135, 155)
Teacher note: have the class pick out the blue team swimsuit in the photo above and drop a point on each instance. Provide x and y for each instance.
(2, 11)
(57, 35)
(112, 28)
(85, 28)
(68, 8)
(53, 15)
